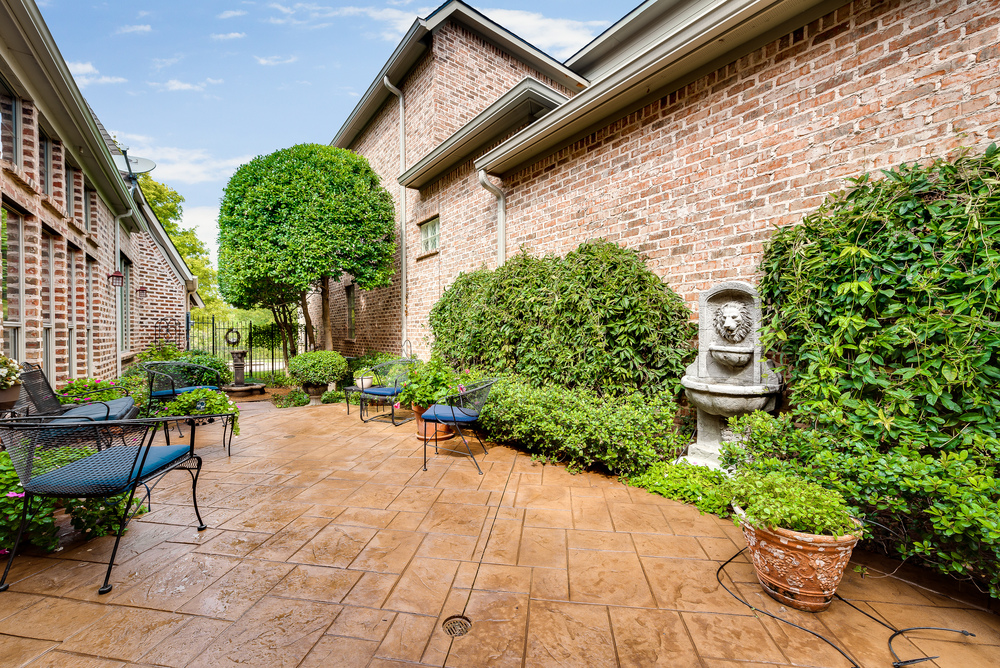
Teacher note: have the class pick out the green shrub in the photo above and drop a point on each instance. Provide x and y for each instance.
(427, 383)
(159, 351)
(101, 517)
(272, 378)
(41, 530)
(332, 397)
(318, 367)
(293, 399)
(885, 303)
(778, 500)
(625, 435)
(203, 402)
(698, 485)
(361, 366)
(211, 361)
(597, 319)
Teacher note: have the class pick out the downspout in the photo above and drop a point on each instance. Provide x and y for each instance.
(118, 296)
(501, 217)
(402, 211)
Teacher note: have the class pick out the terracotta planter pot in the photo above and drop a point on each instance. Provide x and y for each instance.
(800, 570)
(10, 396)
(426, 430)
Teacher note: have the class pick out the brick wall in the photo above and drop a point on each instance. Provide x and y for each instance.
(459, 77)
(45, 217)
(698, 179)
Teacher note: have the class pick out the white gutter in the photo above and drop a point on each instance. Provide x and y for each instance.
(402, 209)
(501, 217)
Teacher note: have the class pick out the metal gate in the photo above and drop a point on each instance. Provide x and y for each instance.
(262, 342)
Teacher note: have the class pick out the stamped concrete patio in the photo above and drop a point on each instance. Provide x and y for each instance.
(330, 546)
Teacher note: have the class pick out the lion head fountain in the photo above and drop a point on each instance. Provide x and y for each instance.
(731, 376)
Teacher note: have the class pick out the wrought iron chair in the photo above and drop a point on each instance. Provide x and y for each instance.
(39, 399)
(461, 410)
(66, 458)
(389, 378)
(167, 380)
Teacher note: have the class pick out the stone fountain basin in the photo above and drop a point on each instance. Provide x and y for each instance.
(729, 399)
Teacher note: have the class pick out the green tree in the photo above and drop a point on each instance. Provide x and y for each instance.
(166, 204)
(295, 217)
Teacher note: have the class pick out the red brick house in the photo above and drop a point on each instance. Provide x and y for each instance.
(687, 131)
(71, 219)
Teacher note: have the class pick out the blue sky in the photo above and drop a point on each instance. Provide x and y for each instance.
(201, 87)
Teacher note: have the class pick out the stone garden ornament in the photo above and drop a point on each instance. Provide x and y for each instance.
(731, 376)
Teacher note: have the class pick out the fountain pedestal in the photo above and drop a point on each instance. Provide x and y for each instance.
(730, 376)
(239, 386)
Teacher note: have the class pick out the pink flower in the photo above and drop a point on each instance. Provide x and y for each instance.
(4, 552)
(396, 405)
(461, 388)
(15, 495)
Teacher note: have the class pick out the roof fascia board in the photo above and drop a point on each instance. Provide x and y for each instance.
(162, 239)
(614, 35)
(54, 92)
(487, 125)
(711, 40)
(413, 45)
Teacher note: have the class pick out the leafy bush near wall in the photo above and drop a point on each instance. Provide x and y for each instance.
(580, 428)
(597, 319)
(293, 399)
(318, 367)
(211, 361)
(886, 302)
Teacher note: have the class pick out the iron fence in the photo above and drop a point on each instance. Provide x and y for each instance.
(262, 342)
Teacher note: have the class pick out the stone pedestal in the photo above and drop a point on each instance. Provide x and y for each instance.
(730, 376)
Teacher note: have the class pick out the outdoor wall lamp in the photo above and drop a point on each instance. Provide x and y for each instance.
(116, 279)
(142, 292)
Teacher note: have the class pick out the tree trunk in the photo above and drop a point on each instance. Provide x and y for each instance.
(327, 324)
(310, 334)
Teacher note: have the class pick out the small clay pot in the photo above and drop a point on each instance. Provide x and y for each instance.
(800, 570)
(425, 431)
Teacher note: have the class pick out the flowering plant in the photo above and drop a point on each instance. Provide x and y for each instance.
(426, 384)
(204, 402)
(10, 373)
(85, 390)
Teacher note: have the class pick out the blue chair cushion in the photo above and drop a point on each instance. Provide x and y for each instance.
(445, 413)
(115, 409)
(383, 391)
(182, 390)
(106, 471)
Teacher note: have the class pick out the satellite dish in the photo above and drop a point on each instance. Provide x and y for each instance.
(134, 165)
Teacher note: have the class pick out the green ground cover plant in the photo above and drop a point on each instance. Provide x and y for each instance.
(700, 486)
(203, 402)
(624, 435)
(293, 399)
(886, 302)
(597, 319)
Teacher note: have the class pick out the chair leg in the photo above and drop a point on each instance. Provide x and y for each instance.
(17, 541)
(468, 448)
(194, 494)
(114, 552)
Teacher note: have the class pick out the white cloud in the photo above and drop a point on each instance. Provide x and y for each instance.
(205, 221)
(559, 37)
(311, 15)
(229, 35)
(276, 60)
(86, 74)
(160, 63)
(129, 29)
(178, 85)
(182, 165)
(231, 13)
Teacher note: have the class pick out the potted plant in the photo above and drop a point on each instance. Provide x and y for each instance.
(316, 370)
(10, 382)
(363, 377)
(800, 536)
(425, 385)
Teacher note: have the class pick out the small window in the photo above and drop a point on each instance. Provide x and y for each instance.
(429, 236)
(45, 163)
(70, 191)
(88, 209)
(349, 292)
(10, 140)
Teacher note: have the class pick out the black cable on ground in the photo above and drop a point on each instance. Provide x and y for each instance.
(718, 576)
(898, 663)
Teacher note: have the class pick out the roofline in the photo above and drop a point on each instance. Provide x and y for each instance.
(710, 38)
(63, 105)
(413, 46)
(476, 132)
(602, 42)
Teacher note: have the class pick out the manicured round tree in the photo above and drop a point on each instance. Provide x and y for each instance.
(299, 215)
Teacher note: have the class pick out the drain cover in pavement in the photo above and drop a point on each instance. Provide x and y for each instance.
(457, 625)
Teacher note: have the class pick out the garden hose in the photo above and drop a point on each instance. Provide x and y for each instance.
(897, 663)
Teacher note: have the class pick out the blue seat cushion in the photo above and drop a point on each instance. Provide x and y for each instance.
(445, 413)
(107, 471)
(115, 409)
(383, 391)
(182, 390)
